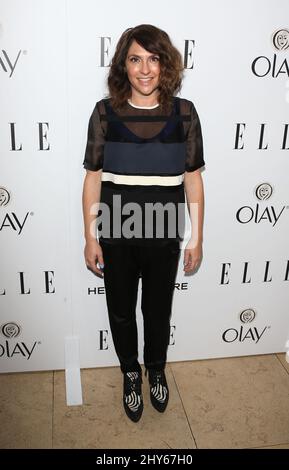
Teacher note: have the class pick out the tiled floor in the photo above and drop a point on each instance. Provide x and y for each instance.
(215, 404)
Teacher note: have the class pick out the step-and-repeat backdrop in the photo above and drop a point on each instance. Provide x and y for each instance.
(54, 60)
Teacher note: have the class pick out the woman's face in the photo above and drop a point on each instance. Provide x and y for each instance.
(143, 71)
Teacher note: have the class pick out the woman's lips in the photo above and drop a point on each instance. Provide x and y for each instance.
(145, 81)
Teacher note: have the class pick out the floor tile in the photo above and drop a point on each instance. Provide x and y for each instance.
(278, 446)
(102, 423)
(235, 402)
(222, 403)
(282, 359)
(26, 410)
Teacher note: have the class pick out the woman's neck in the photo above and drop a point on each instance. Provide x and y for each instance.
(143, 106)
(140, 101)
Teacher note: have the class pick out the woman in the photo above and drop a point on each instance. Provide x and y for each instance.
(144, 152)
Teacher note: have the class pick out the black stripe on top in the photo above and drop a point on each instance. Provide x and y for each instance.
(141, 188)
(116, 118)
(126, 173)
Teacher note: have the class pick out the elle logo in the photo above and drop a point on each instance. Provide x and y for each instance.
(105, 50)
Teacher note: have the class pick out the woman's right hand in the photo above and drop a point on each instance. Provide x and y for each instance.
(93, 255)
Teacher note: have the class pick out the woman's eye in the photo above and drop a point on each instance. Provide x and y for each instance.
(137, 60)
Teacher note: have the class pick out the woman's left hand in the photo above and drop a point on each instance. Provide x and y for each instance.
(192, 257)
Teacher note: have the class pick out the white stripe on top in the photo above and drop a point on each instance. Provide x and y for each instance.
(142, 180)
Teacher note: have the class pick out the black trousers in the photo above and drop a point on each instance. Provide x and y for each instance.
(123, 266)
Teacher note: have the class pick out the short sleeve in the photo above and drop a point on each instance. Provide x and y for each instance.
(194, 147)
(93, 158)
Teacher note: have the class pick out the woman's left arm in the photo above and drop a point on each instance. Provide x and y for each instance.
(194, 190)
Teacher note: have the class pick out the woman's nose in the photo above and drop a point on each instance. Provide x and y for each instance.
(145, 68)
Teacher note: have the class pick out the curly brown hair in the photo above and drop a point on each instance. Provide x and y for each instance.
(155, 41)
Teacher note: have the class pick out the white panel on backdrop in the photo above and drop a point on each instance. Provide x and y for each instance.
(34, 173)
(229, 307)
(237, 75)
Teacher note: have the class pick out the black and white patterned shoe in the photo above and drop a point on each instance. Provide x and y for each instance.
(159, 390)
(132, 395)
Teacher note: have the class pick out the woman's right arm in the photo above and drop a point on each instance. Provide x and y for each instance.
(90, 203)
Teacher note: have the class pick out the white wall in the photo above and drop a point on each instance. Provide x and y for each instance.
(57, 79)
